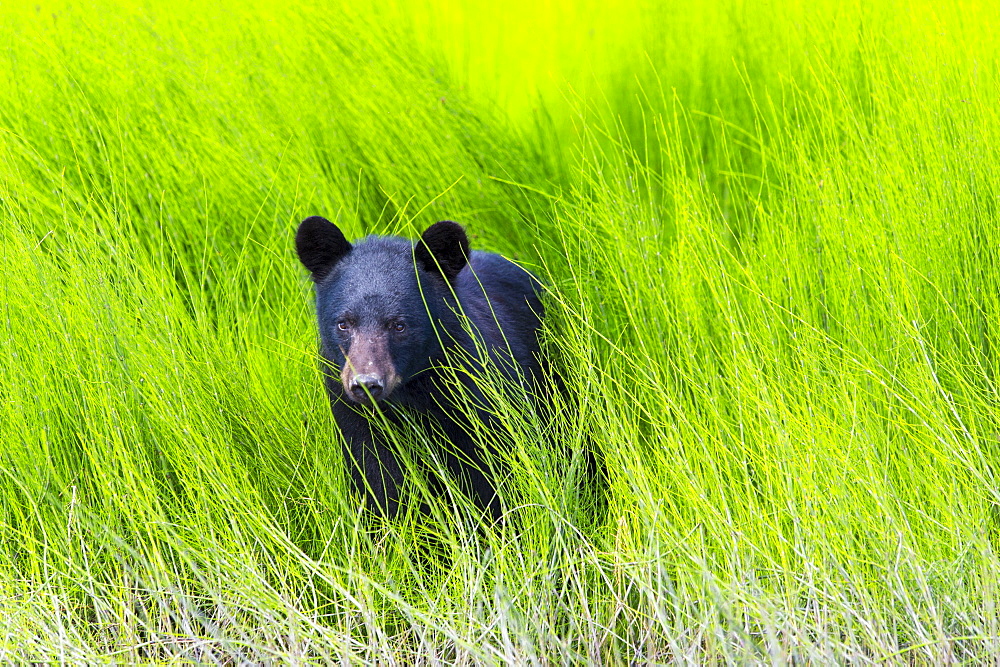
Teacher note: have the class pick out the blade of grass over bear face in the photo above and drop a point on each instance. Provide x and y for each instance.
(768, 240)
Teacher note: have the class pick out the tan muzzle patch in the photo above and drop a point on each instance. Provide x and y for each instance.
(368, 363)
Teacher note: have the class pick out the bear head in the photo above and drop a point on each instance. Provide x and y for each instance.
(379, 301)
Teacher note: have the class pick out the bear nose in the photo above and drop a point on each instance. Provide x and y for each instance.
(363, 386)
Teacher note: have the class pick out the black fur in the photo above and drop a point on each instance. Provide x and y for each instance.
(443, 248)
(365, 291)
(320, 245)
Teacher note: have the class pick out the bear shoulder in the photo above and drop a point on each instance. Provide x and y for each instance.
(502, 300)
(500, 276)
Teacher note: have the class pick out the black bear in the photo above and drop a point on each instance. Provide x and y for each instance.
(390, 311)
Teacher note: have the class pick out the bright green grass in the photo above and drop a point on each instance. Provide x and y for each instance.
(771, 235)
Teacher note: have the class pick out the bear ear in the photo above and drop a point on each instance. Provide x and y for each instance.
(320, 245)
(443, 249)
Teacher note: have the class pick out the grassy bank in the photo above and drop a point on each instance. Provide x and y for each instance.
(770, 235)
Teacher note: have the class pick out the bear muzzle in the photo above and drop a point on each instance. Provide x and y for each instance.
(368, 374)
(364, 386)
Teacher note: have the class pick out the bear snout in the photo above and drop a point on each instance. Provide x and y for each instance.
(369, 373)
(366, 385)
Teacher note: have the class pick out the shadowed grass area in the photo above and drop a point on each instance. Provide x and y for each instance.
(769, 234)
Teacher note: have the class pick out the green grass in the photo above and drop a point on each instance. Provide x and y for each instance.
(771, 236)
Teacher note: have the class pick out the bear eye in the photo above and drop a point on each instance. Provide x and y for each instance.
(399, 326)
(342, 325)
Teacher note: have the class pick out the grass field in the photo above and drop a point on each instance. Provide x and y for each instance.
(772, 239)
